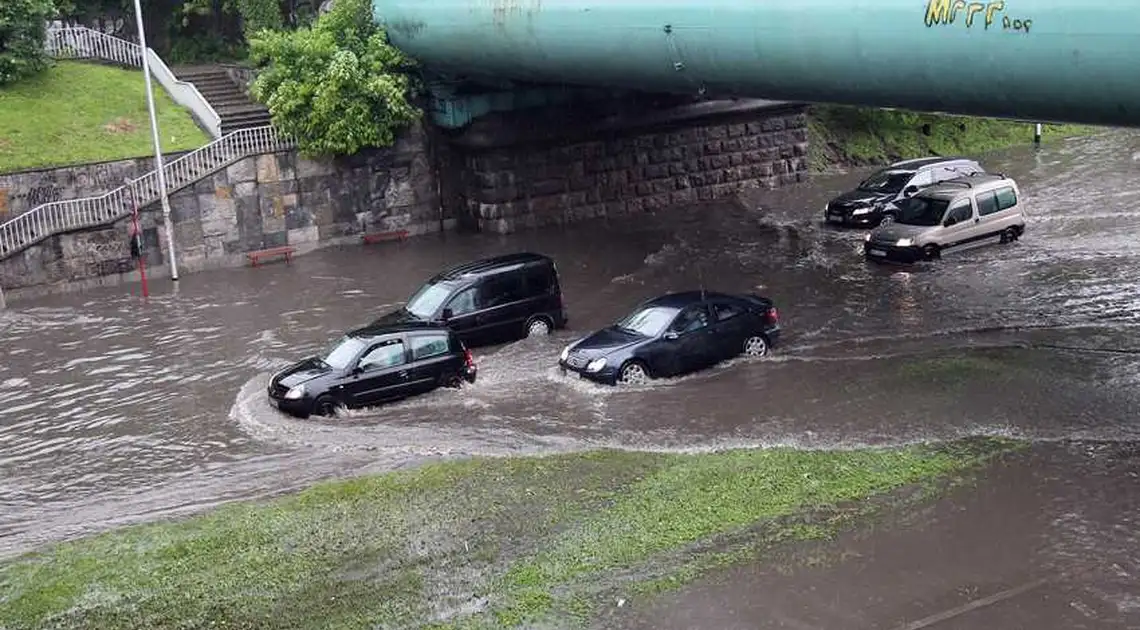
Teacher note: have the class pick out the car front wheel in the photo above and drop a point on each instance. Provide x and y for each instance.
(325, 406)
(633, 373)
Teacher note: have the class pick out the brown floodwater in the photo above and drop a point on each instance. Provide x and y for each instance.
(114, 410)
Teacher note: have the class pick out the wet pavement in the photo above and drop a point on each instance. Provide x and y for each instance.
(114, 410)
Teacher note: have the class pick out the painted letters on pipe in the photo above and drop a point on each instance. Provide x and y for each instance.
(1061, 60)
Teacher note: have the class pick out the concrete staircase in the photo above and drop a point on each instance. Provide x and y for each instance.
(236, 109)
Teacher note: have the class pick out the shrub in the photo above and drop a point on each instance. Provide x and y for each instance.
(335, 87)
(22, 34)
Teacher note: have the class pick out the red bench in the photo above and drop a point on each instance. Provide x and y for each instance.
(285, 251)
(380, 237)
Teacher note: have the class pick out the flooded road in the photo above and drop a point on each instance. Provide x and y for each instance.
(112, 410)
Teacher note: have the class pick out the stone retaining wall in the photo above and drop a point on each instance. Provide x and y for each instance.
(636, 171)
(256, 203)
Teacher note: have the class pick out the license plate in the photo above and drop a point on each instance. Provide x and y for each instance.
(835, 217)
(877, 252)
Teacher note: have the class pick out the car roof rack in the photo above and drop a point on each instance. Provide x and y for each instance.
(956, 182)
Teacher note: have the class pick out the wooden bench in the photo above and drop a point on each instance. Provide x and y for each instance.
(380, 237)
(285, 250)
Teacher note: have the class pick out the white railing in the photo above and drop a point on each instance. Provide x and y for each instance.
(76, 214)
(80, 42)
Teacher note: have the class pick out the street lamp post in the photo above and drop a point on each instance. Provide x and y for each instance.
(157, 146)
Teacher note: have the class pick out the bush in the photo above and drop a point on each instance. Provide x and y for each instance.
(22, 34)
(335, 87)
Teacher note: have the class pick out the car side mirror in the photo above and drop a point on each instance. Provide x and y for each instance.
(447, 314)
(948, 222)
(672, 336)
(357, 370)
(910, 190)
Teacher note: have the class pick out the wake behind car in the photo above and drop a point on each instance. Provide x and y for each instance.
(951, 215)
(373, 365)
(675, 334)
(491, 300)
(874, 200)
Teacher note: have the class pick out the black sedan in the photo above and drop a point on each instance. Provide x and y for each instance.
(675, 334)
(373, 365)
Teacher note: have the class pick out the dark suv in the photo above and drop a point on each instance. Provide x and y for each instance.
(872, 202)
(372, 365)
(491, 300)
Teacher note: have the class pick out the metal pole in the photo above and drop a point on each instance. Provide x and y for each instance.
(1037, 134)
(3, 304)
(157, 147)
(136, 236)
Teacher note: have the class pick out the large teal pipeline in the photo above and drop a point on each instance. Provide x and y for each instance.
(1046, 60)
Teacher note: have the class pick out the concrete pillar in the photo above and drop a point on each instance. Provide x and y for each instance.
(3, 305)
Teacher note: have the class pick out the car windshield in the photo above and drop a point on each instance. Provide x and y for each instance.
(921, 211)
(886, 181)
(340, 354)
(649, 321)
(426, 302)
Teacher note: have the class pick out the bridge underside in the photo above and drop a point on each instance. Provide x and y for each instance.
(580, 159)
(1043, 60)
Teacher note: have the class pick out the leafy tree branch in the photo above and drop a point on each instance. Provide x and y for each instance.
(335, 87)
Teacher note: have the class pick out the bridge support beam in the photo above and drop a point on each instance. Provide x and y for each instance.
(557, 165)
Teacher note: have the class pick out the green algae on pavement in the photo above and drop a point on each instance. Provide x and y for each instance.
(485, 542)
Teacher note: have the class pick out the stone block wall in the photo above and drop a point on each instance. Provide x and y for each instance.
(21, 191)
(623, 173)
(255, 203)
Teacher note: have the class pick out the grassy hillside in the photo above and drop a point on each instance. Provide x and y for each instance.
(82, 112)
(478, 543)
(851, 136)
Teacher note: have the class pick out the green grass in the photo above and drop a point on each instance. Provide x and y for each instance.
(856, 136)
(81, 112)
(479, 543)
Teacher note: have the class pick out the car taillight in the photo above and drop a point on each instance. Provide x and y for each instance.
(468, 359)
(773, 315)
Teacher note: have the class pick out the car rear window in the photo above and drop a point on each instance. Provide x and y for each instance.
(1006, 198)
(430, 345)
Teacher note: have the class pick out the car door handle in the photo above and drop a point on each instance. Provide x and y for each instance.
(402, 374)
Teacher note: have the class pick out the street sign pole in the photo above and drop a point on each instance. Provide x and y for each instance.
(136, 238)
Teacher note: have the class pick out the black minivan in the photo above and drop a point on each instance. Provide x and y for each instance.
(492, 300)
(373, 365)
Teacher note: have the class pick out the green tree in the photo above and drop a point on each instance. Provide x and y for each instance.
(335, 87)
(23, 26)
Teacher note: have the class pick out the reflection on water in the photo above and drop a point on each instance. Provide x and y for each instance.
(111, 407)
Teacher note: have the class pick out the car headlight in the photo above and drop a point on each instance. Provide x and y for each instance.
(295, 393)
(596, 365)
(826, 207)
(867, 237)
(904, 242)
(565, 353)
(861, 211)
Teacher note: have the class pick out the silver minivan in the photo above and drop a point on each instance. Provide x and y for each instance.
(953, 214)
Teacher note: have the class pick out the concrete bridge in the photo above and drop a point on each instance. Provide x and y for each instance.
(559, 109)
(1044, 60)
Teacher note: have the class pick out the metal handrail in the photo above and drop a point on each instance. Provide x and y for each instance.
(80, 42)
(58, 217)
